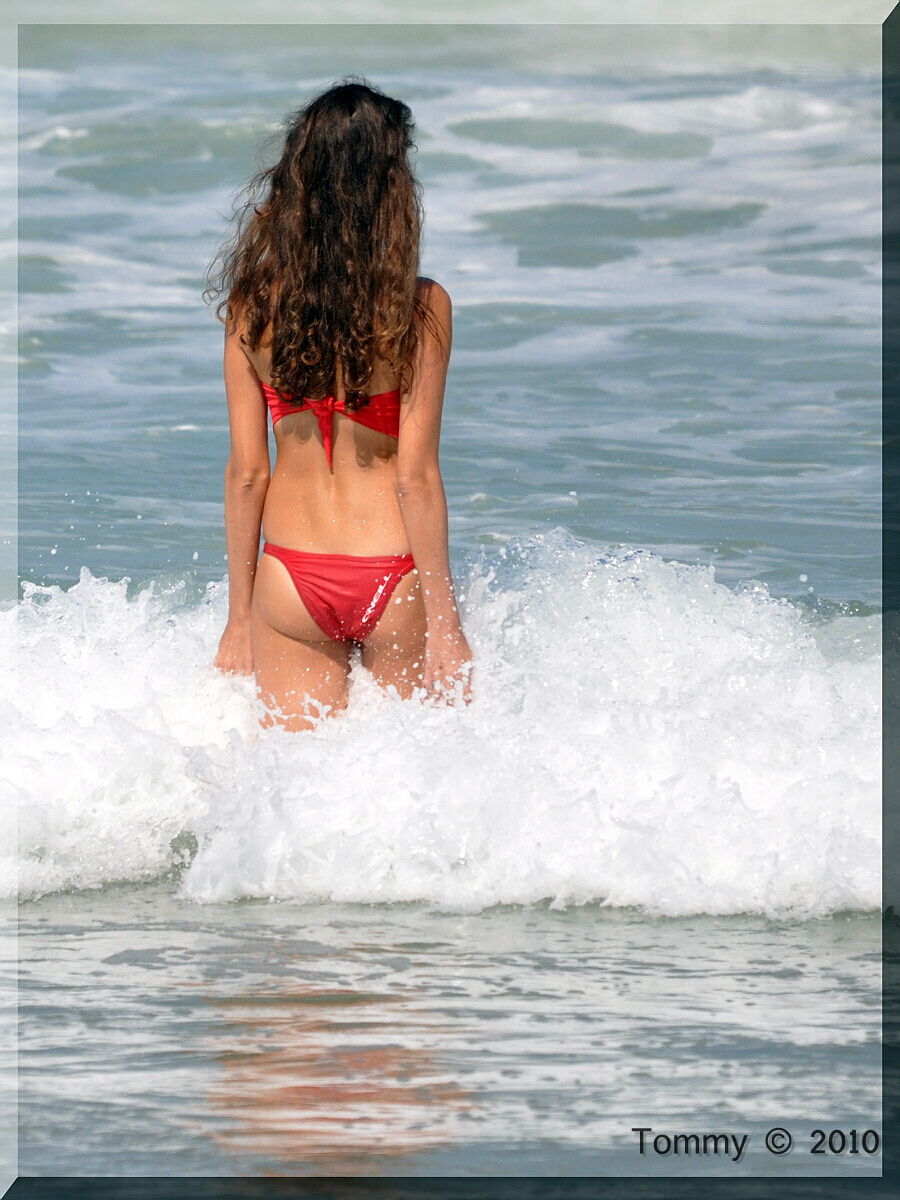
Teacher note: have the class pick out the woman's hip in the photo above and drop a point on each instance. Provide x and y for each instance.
(314, 595)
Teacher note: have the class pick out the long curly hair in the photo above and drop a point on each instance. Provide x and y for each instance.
(325, 253)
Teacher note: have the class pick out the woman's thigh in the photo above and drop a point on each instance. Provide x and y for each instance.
(395, 649)
(300, 673)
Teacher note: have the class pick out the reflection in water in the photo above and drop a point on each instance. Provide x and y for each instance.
(328, 1080)
(248, 1040)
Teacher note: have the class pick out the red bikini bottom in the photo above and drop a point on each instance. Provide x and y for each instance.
(344, 594)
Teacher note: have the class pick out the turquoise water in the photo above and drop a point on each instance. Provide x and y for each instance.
(638, 881)
(666, 291)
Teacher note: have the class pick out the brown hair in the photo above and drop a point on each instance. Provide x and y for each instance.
(326, 249)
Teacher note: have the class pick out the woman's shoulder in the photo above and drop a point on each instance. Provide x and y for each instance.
(235, 322)
(237, 333)
(433, 295)
(435, 312)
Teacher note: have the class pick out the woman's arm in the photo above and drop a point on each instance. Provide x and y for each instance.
(246, 483)
(423, 504)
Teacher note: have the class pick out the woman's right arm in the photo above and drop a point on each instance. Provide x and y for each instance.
(246, 483)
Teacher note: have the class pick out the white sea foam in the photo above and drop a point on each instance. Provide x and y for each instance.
(640, 735)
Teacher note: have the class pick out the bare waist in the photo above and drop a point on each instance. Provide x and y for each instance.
(334, 515)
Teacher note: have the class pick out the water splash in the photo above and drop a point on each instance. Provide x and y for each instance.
(641, 735)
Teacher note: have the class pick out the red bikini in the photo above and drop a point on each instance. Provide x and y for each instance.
(382, 413)
(345, 594)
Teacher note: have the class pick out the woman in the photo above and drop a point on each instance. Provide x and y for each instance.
(323, 302)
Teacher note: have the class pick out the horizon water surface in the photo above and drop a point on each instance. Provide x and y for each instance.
(661, 453)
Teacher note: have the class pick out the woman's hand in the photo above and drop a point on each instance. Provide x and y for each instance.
(448, 666)
(235, 656)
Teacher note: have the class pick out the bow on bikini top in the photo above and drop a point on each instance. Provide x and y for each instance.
(382, 413)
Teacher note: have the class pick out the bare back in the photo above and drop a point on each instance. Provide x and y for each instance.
(350, 508)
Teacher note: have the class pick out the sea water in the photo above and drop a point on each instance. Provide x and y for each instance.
(637, 881)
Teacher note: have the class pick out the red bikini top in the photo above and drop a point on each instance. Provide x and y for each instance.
(382, 413)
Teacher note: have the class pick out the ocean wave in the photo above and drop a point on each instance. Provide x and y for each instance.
(641, 735)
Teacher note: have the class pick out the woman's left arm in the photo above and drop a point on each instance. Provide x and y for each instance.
(246, 483)
(423, 505)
